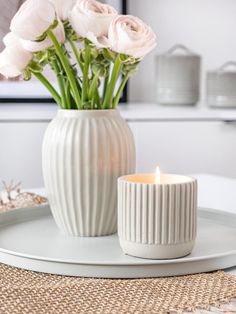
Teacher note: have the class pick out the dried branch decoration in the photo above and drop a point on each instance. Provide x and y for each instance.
(14, 198)
(9, 188)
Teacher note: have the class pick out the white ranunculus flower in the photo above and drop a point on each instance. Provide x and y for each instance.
(35, 46)
(99, 42)
(129, 35)
(33, 19)
(11, 39)
(63, 7)
(91, 19)
(14, 59)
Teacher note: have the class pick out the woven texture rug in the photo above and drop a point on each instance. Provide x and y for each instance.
(34, 293)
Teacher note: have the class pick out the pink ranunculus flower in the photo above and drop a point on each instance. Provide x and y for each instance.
(91, 19)
(129, 35)
(35, 46)
(33, 18)
(11, 39)
(63, 7)
(14, 58)
(99, 42)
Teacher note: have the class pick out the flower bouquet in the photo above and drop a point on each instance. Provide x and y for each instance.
(88, 145)
(105, 45)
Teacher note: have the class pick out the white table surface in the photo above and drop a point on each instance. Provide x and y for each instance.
(213, 192)
(218, 193)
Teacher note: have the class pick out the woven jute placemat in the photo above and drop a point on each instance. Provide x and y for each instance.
(28, 292)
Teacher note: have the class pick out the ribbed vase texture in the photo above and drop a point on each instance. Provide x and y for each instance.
(84, 152)
(157, 221)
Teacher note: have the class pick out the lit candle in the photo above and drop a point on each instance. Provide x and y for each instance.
(157, 175)
(157, 214)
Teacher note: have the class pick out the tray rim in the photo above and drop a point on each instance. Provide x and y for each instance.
(45, 211)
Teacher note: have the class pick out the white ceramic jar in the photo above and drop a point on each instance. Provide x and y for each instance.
(178, 77)
(221, 86)
(157, 221)
(84, 152)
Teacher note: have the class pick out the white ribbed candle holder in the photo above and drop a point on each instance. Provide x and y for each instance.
(157, 221)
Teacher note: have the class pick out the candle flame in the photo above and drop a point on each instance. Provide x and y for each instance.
(157, 176)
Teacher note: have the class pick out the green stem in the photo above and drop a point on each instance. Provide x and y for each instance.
(85, 75)
(67, 68)
(93, 85)
(97, 99)
(61, 84)
(112, 84)
(76, 79)
(106, 80)
(120, 89)
(68, 94)
(93, 88)
(49, 86)
(75, 51)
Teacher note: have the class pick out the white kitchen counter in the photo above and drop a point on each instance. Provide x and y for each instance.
(132, 112)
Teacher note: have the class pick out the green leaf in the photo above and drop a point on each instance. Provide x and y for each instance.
(44, 35)
(41, 37)
(35, 67)
(109, 54)
(100, 69)
(87, 105)
(131, 68)
(26, 75)
(42, 57)
(130, 64)
(70, 33)
(94, 53)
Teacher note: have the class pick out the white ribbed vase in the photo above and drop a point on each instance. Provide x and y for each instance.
(157, 220)
(84, 152)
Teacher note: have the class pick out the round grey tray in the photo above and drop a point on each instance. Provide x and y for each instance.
(29, 239)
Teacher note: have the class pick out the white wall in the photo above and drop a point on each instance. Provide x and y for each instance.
(206, 26)
(20, 152)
